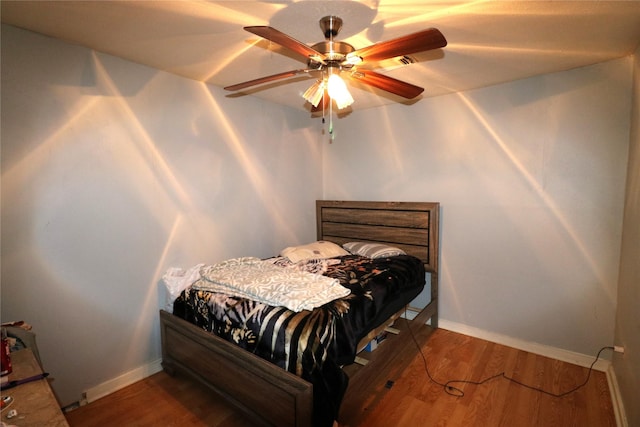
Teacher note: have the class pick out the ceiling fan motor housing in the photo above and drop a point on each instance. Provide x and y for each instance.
(334, 52)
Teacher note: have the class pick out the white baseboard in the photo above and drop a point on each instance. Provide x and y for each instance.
(115, 384)
(616, 398)
(579, 359)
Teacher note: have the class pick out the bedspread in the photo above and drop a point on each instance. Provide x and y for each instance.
(312, 344)
(269, 283)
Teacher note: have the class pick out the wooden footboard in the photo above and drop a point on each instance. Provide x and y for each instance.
(271, 394)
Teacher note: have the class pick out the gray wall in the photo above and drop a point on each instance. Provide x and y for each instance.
(627, 366)
(113, 172)
(531, 178)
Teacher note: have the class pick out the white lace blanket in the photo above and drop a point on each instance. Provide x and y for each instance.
(265, 282)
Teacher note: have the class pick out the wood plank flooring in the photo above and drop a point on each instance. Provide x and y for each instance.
(395, 390)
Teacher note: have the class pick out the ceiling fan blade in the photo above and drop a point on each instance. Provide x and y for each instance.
(282, 39)
(398, 87)
(265, 79)
(406, 45)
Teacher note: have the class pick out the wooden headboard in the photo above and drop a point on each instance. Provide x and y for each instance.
(410, 226)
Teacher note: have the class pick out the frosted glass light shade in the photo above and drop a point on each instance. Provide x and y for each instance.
(338, 91)
(314, 94)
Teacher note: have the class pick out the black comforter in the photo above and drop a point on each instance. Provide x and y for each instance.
(313, 344)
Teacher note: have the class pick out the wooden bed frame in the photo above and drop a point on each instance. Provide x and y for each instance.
(277, 397)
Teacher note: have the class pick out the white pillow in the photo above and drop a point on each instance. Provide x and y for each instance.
(316, 250)
(372, 250)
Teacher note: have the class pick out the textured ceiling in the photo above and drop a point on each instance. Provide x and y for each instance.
(489, 42)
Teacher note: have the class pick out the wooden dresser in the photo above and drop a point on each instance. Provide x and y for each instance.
(34, 401)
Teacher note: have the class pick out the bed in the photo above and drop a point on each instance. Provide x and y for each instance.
(281, 391)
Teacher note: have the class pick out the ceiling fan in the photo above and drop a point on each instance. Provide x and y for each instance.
(331, 58)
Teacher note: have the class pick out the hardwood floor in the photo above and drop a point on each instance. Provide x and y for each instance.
(395, 390)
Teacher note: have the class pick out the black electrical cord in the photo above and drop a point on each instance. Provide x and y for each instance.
(458, 392)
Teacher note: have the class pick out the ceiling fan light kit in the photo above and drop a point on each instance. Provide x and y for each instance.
(330, 58)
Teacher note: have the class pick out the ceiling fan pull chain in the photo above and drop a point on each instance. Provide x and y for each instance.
(331, 134)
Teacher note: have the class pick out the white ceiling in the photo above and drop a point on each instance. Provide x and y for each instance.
(489, 42)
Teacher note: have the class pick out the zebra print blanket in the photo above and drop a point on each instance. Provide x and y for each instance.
(312, 344)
